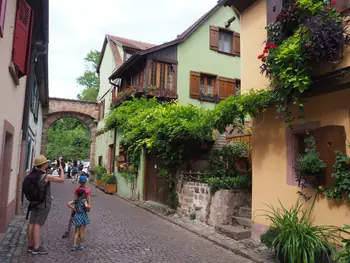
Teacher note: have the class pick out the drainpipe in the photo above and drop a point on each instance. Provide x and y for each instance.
(115, 144)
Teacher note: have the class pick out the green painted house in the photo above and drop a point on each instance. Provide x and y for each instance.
(200, 67)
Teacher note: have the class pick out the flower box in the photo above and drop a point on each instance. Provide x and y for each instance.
(100, 183)
(110, 188)
(209, 97)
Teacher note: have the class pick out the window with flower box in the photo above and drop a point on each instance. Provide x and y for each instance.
(161, 75)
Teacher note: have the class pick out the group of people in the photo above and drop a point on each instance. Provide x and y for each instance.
(37, 189)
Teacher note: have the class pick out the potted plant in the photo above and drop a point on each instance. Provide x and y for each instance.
(310, 166)
(99, 171)
(110, 183)
(295, 239)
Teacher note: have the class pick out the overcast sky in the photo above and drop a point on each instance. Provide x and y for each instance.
(77, 26)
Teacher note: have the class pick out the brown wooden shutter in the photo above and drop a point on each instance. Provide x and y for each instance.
(273, 8)
(195, 78)
(214, 38)
(22, 36)
(2, 16)
(236, 44)
(342, 5)
(222, 88)
(230, 87)
(336, 135)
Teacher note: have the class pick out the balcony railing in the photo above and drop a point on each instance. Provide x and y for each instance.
(137, 91)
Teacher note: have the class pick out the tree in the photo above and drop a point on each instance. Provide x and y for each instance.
(90, 79)
(68, 138)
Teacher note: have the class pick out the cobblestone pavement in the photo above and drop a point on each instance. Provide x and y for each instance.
(119, 232)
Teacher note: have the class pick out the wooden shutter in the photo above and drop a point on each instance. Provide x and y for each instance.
(195, 84)
(22, 36)
(2, 16)
(222, 88)
(230, 87)
(214, 38)
(273, 8)
(335, 134)
(114, 89)
(342, 5)
(236, 44)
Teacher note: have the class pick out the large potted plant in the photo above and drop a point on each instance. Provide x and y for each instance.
(295, 239)
(99, 171)
(310, 167)
(110, 183)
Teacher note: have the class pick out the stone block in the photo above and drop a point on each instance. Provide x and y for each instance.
(233, 232)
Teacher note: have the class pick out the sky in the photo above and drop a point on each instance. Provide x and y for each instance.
(78, 26)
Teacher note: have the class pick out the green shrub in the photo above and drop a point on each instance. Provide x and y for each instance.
(343, 255)
(230, 183)
(128, 176)
(99, 171)
(109, 179)
(310, 162)
(294, 237)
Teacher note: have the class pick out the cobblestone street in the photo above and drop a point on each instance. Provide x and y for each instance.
(119, 232)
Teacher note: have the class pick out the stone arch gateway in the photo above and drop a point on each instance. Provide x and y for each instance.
(85, 111)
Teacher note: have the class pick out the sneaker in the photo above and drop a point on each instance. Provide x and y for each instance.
(66, 234)
(73, 248)
(30, 249)
(40, 250)
(81, 247)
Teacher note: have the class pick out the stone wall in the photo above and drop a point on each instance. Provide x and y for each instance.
(195, 198)
(225, 204)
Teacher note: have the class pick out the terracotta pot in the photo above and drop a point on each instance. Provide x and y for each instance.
(111, 188)
(100, 183)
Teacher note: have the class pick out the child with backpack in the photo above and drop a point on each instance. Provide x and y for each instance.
(82, 182)
(80, 205)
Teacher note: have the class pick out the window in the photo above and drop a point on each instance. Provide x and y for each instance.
(2, 16)
(127, 56)
(237, 87)
(225, 41)
(161, 75)
(207, 84)
(211, 84)
(100, 161)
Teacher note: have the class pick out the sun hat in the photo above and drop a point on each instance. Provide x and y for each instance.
(40, 160)
(82, 179)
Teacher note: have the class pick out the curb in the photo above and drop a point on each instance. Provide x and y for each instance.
(198, 233)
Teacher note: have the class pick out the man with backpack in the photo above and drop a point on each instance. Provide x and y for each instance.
(36, 187)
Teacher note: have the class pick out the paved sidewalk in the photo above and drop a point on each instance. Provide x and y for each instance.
(119, 232)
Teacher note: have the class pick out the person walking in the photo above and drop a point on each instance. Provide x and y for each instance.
(80, 205)
(74, 172)
(82, 182)
(37, 189)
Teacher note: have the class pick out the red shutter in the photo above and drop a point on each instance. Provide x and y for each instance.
(2, 16)
(195, 84)
(236, 44)
(30, 43)
(21, 36)
(273, 8)
(336, 135)
(342, 5)
(214, 38)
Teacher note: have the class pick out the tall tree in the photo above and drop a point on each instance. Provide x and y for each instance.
(68, 138)
(90, 79)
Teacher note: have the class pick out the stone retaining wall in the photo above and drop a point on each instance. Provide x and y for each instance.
(196, 199)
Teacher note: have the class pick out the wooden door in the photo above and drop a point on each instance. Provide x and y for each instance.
(156, 187)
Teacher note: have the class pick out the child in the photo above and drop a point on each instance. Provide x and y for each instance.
(81, 219)
(82, 181)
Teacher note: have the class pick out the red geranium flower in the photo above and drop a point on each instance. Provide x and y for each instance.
(327, 9)
(307, 45)
(266, 50)
(333, 2)
(261, 56)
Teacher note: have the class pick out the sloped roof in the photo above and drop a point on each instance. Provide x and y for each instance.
(240, 5)
(124, 42)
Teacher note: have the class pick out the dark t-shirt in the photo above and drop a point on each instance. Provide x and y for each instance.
(42, 184)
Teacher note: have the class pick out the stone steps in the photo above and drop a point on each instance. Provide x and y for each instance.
(243, 222)
(245, 212)
(234, 232)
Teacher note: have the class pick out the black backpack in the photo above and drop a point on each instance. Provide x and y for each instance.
(31, 189)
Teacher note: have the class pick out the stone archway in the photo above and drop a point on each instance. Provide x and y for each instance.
(85, 111)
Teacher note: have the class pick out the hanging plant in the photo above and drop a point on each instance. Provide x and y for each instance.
(305, 32)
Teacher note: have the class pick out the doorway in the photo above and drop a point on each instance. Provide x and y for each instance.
(5, 172)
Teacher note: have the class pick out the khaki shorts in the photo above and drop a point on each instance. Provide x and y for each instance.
(38, 216)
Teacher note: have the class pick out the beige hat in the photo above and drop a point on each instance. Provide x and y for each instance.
(40, 160)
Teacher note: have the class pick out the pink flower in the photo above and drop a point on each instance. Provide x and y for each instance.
(333, 2)
(307, 45)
